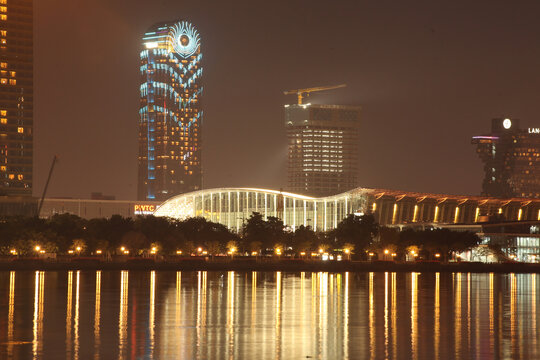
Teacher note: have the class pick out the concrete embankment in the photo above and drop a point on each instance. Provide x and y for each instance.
(266, 265)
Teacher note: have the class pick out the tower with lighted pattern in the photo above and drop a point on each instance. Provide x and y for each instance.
(170, 114)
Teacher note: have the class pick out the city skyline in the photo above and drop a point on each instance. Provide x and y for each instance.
(430, 76)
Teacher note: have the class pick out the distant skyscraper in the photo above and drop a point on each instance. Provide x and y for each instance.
(511, 158)
(16, 97)
(170, 111)
(323, 148)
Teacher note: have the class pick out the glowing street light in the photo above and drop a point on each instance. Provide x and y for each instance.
(123, 248)
(199, 249)
(437, 255)
(178, 252)
(37, 248)
(386, 251)
(13, 252)
(278, 251)
(98, 252)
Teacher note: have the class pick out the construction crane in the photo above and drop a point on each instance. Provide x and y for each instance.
(54, 160)
(301, 93)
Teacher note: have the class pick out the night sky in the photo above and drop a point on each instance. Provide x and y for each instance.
(428, 75)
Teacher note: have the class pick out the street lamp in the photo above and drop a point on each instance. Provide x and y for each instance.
(348, 252)
(37, 248)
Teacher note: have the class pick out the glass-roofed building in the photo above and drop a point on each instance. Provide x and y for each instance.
(232, 206)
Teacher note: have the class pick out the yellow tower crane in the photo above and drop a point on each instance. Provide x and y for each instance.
(301, 93)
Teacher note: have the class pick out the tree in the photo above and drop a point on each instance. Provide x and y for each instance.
(357, 230)
(267, 232)
(303, 239)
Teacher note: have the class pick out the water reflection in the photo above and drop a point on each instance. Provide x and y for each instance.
(11, 311)
(97, 315)
(37, 342)
(123, 315)
(205, 315)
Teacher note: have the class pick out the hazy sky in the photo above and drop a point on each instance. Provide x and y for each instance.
(428, 75)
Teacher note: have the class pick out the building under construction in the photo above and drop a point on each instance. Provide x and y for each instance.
(323, 146)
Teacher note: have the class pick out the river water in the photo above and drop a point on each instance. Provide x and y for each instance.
(267, 315)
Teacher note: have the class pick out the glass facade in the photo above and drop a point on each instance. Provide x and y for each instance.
(16, 97)
(232, 206)
(170, 111)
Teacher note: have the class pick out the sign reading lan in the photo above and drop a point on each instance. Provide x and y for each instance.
(140, 209)
(534, 130)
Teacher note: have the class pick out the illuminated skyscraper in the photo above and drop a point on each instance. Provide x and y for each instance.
(511, 158)
(323, 148)
(170, 111)
(16, 97)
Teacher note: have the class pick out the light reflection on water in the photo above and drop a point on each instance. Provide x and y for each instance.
(231, 315)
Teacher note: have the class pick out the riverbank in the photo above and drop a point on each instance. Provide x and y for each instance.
(267, 265)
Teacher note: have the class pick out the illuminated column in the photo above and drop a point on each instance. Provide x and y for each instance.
(520, 214)
(436, 215)
(456, 215)
(265, 206)
(335, 213)
(229, 210)
(211, 206)
(415, 214)
(256, 202)
(202, 205)
(284, 211)
(315, 215)
(325, 214)
(219, 215)
(238, 211)
(476, 213)
(294, 213)
(394, 213)
(305, 214)
(275, 205)
(247, 204)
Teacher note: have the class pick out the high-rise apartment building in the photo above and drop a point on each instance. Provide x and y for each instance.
(170, 111)
(323, 148)
(511, 158)
(16, 97)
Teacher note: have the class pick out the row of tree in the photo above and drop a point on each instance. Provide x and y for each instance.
(358, 236)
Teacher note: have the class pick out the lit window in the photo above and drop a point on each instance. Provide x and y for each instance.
(12, 82)
(20, 176)
(3, 168)
(3, 9)
(3, 120)
(12, 73)
(3, 2)
(11, 176)
(3, 65)
(3, 32)
(3, 41)
(3, 112)
(3, 81)
(20, 130)
(3, 17)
